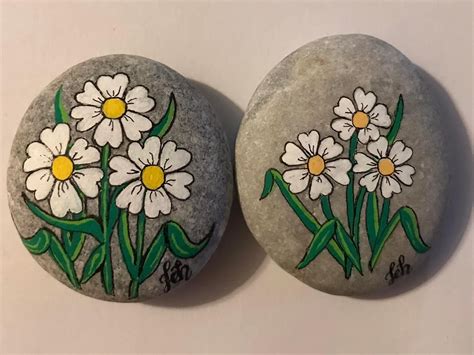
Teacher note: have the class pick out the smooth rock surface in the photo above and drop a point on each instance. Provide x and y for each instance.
(305, 93)
(190, 164)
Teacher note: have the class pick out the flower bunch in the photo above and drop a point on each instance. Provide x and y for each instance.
(73, 174)
(317, 165)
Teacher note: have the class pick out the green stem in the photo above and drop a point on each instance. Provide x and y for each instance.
(350, 198)
(104, 199)
(141, 223)
(384, 214)
(358, 211)
(326, 207)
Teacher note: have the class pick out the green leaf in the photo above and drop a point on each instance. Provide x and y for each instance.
(153, 255)
(84, 225)
(382, 239)
(164, 125)
(272, 177)
(114, 211)
(348, 246)
(397, 122)
(60, 113)
(319, 243)
(39, 243)
(412, 230)
(62, 259)
(128, 253)
(179, 243)
(372, 218)
(93, 264)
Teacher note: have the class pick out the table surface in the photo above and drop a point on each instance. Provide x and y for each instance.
(242, 302)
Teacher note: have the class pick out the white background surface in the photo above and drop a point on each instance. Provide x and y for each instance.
(241, 302)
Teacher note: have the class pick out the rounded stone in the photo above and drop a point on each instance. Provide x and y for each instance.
(341, 168)
(120, 179)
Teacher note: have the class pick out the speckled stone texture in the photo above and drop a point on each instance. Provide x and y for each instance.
(195, 128)
(299, 95)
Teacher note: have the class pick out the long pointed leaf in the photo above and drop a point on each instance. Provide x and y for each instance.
(85, 225)
(164, 125)
(128, 253)
(397, 122)
(39, 243)
(179, 243)
(272, 177)
(60, 114)
(348, 246)
(319, 243)
(153, 255)
(62, 259)
(93, 263)
(412, 230)
(382, 239)
(372, 218)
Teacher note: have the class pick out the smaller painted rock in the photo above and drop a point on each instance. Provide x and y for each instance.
(341, 166)
(120, 181)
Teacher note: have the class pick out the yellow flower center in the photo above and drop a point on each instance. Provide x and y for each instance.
(386, 167)
(153, 177)
(316, 165)
(114, 107)
(62, 167)
(360, 119)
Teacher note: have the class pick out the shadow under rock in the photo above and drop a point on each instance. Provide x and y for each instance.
(457, 210)
(238, 255)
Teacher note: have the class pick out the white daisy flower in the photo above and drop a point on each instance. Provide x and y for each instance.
(111, 107)
(316, 161)
(63, 171)
(152, 172)
(365, 117)
(389, 167)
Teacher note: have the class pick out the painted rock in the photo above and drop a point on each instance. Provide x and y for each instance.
(340, 165)
(120, 181)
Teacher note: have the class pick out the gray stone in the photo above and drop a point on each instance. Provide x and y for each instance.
(301, 94)
(177, 189)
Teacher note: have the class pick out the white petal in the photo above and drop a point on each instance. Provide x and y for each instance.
(320, 185)
(370, 181)
(89, 116)
(65, 199)
(156, 202)
(400, 153)
(88, 181)
(138, 100)
(379, 147)
(338, 170)
(113, 87)
(364, 163)
(365, 102)
(125, 170)
(172, 158)
(390, 186)
(134, 124)
(379, 116)
(90, 96)
(132, 197)
(309, 142)
(39, 157)
(40, 182)
(56, 139)
(176, 184)
(329, 149)
(404, 173)
(82, 153)
(345, 108)
(298, 179)
(370, 133)
(148, 154)
(293, 155)
(109, 131)
(344, 127)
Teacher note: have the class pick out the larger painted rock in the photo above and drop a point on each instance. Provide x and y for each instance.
(120, 180)
(341, 167)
